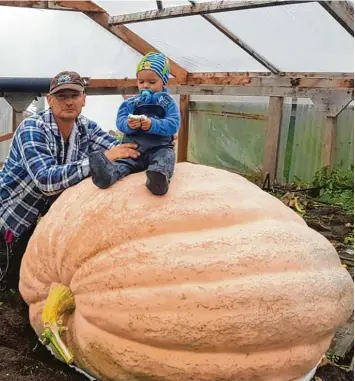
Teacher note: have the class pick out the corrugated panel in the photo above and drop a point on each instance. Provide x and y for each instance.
(307, 154)
(237, 143)
(51, 41)
(227, 141)
(282, 164)
(344, 148)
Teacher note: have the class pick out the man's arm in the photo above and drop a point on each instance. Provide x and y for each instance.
(49, 177)
(100, 139)
(168, 125)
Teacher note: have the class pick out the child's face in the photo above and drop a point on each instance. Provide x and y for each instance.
(149, 79)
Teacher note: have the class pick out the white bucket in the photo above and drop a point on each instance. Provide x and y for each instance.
(307, 377)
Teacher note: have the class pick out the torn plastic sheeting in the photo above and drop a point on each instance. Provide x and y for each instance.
(228, 141)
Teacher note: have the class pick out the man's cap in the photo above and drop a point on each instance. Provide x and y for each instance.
(66, 80)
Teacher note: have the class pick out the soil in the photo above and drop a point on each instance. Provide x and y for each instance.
(23, 358)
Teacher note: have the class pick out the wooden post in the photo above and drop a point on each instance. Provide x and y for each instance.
(272, 138)
(183, 137)
(17, 118)
(329, 143)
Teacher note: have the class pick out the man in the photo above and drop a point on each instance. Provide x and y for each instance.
(48, 154)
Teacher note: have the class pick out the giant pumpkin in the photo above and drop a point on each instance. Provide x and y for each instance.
(217, 280)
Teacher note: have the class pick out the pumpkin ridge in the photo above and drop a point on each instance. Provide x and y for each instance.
(175, 230)
(221, 308)
(211, 239)
(160, 362)
(299, 341)
(183, 282)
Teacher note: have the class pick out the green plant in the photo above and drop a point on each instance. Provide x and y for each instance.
(336, 187)
(349, 240)
(299, 184)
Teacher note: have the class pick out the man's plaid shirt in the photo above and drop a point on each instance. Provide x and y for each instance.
(35, 169)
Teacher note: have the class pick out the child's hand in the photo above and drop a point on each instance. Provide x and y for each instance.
(146, 124)
(134, 124)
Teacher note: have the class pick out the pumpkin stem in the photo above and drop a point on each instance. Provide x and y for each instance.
(60, 300)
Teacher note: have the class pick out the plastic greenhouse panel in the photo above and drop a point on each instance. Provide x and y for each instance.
(296, 38)
(43, 52)
(196, 45)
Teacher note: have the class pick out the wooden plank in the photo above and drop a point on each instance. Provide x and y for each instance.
(26, 4)
(79, 6)
(135, 42)
(343, 339)
(272, 138)
(226, 90)
(266, 79)
(329, 143)
(4, 138)
(83, 6)
(17, 118)
(183, 136)
(198, 9)
(341, 11)
(243, 79)
(331, 103)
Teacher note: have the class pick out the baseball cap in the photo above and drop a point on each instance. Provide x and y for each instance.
(66, 80)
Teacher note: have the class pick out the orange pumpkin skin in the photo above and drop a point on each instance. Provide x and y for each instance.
(217, 280)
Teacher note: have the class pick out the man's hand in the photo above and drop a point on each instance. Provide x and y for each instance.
(134, 124)
(146, 124)
(123, 151)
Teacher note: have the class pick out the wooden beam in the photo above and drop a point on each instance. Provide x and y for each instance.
(298, 80)
(135, 42)
(329, 143)
(342, 11)
(198, 9)
(272, 138)
(79, 6)
(4, 138)
(331, 103)
(17, 118)
(183, 136)
(248, 91)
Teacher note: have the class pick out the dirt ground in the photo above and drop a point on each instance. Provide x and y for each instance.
(23, 358)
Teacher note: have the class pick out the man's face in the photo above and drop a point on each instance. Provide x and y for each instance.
(149, 79)
(66, 104)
